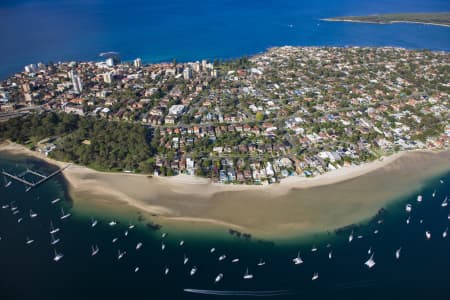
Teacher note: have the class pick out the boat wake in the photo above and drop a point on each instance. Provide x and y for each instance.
(240, 293)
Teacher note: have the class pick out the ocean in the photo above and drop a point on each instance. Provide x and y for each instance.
(29, 272)
(34, 31)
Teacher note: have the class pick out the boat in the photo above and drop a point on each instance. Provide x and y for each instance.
(166, 270)
(181, 243)
(441, 181)
(421, 221)
(369, 251)
(120, 254)
(53, 241)
(56, 200)
(29, 241)
(94, 250)
(112, 223)
(193, 270)
(330, 254)
(218, 278)
(185, 260)
(222, 257)
(131, 226)
(15, 212)
(136, 269)
(247, 275)
(5, 206)
(419, 198)
(57, 257)
(315, 276)
(298, 260)
(408, 207)
(434, 193)
(370, 262)
(33, 214)
(126, 233)
(313, 249)
(408, 220)
(445, 202)
(350, 237)
(427, 235)
(163, 235)
(163, 246)
(360, 236)
(138, 246)
(328, 246)
(28, 189)
(94, 222)
(444, 233)
(19, 220)
(261, 263)
(7, 182)
(53, 229)
(212, 250)
(448, 217)
(114, 240)
(64, 215)
(397, 253)
(235, 260)
(376, 231)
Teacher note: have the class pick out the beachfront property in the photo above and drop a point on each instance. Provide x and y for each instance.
(288, 111)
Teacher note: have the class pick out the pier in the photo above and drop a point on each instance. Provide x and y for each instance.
(31, 185)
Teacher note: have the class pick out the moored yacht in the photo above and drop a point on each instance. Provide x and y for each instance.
(138, 246)
(57, 257)
(120, 254)
(314, 249)
(315, 276)
(369, 251)
(408, 220)
(222, 257)
(261, 263)
(164, 234)
(427, 235)
(29, 241)
(166, 270)
(297, 260)
(56, 200)
(370, 262)
(235, 260)
(444, 203)
(94, 250)
(125, 233)
(163, 246)
(115, 240)
(434, 193)
(350, 237)
(247, 275)
(419, 198)
(397, 253)
(53, 241)
(185, 259)
(181, 243)
(131, 226)
(33, 214)
(444, 234)
(53, 229)
(112, 223)
(330, 254)
(136, 269)
(94, 222)
(64, 215)
(218, 278)
(408, 207)
(193, 271)
(212, 250)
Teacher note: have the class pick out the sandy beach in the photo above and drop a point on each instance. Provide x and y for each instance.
(295, 206)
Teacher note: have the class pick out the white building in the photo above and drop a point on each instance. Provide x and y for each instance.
(108, 77)
(187, 74)
(137, 63)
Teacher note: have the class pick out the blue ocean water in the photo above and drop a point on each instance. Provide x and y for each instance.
(160, 30)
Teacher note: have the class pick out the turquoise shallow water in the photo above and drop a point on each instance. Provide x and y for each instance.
(28, 271)
(160, 30)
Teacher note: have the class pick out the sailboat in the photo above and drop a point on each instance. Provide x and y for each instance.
(212, 250)
(185, 259)
(64, 215)
(53, 241)
(166, 270)
(53, 229)
(444, 234)
(261, 263)
(94, 222)
(428, 235)
(56, 200)
(444, 203)
(163, 235)
(222, 257)
(138, 246)
(181, 243)
(33, 214)
(314, 249)
(370, 262)
(408, 207)
(218, 278)
(163, 246)
(441, 181)
(29, 241)
(193, 270)
(136, 269)
(112, 223)
(350, 237)
(247, 275)
(115, 240)
(130, 226)
(235, 260)
(19, 220)
(419, 198)
(408, 220)
(434, 193)
(126, 233)
(315, 276)
(369, 251)
(376, 231)
(330, 254)
(57, 257)
(94, 250)
(298, 260)
(120, 254)
(397, 253)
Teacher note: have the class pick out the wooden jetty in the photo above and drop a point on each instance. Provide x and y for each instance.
(31, 185)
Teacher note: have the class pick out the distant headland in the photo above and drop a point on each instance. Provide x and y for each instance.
(438, 19)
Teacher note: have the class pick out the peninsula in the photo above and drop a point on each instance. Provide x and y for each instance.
(439, 19)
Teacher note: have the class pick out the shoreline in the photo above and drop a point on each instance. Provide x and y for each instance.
(296, 206)
(382, 23)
